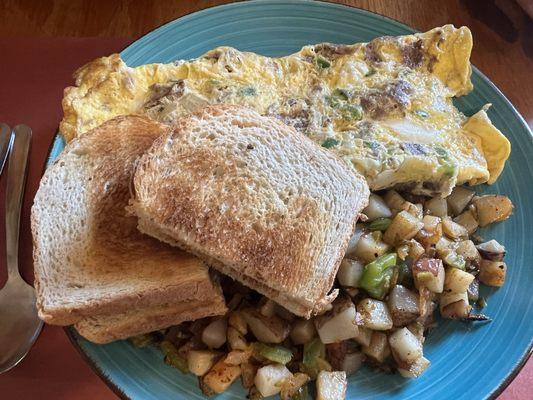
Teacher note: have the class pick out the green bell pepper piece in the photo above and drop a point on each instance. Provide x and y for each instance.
(377, 275)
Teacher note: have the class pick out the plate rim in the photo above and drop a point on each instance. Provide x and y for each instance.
(69, 330)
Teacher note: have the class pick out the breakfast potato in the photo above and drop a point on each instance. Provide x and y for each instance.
(364, 336)
(350, 272)
(215, 334)
(492, 273)
(403, 305)
(454, 305)
(236, 339)
(394, 201)
(376, 208)
(491, 250)
(459, 199)
(416, 369)
(416, 210)
(369, 247)
(436, 206)
(467, 219)
(453, 230)
(378, 348)
(429, 273)
(375, 314)
(331, 385)
(266, 329)
(269, 379)
(457, 281)
(405, 346)
(467, 249)
(221, 376)
(201, 361)
(338, 324)
(303, 331)
(404, 226)
(492, 208)
(431, 233)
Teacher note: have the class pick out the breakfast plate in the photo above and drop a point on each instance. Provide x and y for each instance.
(467, 360)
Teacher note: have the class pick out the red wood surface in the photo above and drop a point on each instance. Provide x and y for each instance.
(36, 63)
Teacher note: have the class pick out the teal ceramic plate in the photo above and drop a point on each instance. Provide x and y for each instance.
(468, 361)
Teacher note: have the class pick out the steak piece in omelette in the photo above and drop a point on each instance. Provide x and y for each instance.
(385, 106)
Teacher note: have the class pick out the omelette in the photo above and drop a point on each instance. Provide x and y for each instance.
(385, 107)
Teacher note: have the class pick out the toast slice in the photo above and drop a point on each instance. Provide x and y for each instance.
(254, 198)
(91, 262)
(107, 328)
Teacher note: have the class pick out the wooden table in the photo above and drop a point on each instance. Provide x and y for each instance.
(48, 39)
(503, 34)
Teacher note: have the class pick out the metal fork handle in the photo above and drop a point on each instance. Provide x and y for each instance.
(16, 178)
(6, 138)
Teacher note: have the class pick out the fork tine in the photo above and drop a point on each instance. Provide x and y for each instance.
(6, 140)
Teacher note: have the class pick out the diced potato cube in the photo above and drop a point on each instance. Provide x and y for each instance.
(238, 357)
(221, 376)
(201, 361)
(403, 305)
(467, 249)
(404, 226)
(452, 297)
(457, 281)
(405, 346)
(303, 331)
(416, 369)
(215, 334)
(237, 321)
(492, 208)
(379, 348)
(491, 250)
(352, 362)
(375, 314)
(269, 378)
(394, 200)
(453, 230)
(415, 249)
(436, 206)
(454, 305)
(369, 247)
(432, 231)
(492, 273)
(364, 336)
(377, 208)
(331, 385)
(266, 329)
(338, 324)
(350, 272)
(468, 221)
(416, 210)
(459, 199)
(236, 340)
(429, 272)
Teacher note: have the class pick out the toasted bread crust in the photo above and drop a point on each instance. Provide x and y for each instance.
(90, 260)
(255, 199)
(108, 328)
